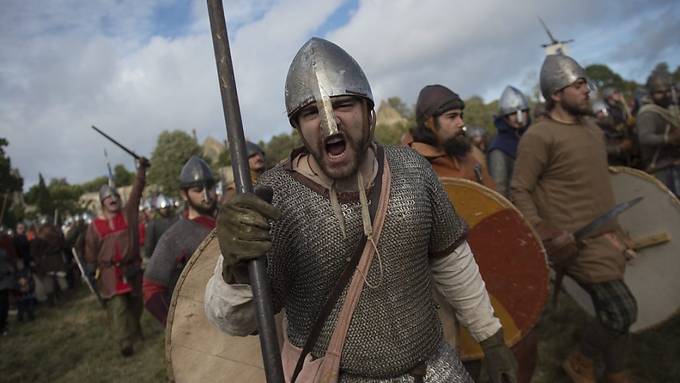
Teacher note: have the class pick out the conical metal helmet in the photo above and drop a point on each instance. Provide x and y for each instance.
(195, 172)
(162, 202)
(475, 131)
(512, 100)
(319, 71)
(252, 149)
(107, 191)
(559, 71)
(599, 105)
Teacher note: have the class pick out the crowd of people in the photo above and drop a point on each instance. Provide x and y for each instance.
(342, 189)
(37, 266)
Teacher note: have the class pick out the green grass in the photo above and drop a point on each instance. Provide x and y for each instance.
(71, 344)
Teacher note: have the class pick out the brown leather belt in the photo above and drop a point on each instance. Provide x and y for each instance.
(418, 372)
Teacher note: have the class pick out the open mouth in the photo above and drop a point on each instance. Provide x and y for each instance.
(335, 147)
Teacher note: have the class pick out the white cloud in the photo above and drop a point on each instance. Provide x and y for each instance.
(66, 65)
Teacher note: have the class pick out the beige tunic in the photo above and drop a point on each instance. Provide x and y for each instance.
(561, 178)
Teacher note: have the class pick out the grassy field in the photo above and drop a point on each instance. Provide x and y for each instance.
(70, 344)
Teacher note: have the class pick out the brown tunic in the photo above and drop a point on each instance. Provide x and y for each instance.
(561, 179)
(447, 166)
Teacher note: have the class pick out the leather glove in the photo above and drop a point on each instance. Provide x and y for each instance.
(243, 233)
(143, 162)
(559, 244)
(500, 363)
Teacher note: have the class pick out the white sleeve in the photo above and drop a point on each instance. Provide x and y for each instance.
(457, 278)
(229, 307)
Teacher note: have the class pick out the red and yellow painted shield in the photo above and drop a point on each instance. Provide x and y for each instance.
(511, 260)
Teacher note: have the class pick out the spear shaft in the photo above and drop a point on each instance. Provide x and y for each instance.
(239, 160)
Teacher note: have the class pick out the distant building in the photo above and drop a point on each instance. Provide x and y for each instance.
(212, 149)
(387, 115)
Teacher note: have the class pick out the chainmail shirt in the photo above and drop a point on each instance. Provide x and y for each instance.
(174, 248)
(395, 324)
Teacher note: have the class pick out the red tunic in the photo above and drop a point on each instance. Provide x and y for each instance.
(117, 225)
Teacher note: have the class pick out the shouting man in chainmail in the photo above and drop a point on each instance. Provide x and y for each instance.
(339, 198)
(178, 243)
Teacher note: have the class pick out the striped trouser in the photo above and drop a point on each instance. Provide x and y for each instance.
(615, 305)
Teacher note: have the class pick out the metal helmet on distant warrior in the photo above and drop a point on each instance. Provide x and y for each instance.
(87, 217)
(319, 71)
(252, 149)
(146, 205)
(107, 191)
(195, 172)
(608, 92)
(475, 132)
(599, 106)
(162, 202)
(558, 72)
(512, 101)
(659, 81)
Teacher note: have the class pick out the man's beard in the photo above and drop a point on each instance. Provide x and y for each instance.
(664, 102)
(578, 110)
(356, 150)
(457, 147)
(201, 209)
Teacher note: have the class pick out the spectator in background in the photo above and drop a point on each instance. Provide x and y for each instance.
(48, 253)
(22, 245)
(7, 278)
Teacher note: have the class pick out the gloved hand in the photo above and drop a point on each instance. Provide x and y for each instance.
(500, 365)
(559, 244)
(243, 233)
(143, 162)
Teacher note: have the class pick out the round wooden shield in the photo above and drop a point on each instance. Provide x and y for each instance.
(511, 260)
(195, 350)
(654, 226)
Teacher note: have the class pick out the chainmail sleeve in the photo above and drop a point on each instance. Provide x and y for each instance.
(448, 229)
(282, 232)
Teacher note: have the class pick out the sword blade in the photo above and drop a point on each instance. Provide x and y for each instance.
(605, 218)
(84, 276)
(118, 144)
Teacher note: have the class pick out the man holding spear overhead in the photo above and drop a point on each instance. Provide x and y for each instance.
(112, 246)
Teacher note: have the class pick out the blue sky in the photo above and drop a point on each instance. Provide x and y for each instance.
(138, 67)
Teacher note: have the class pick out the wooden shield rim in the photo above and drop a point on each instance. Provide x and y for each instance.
(675, 201)
(494, 195)
(173, 302)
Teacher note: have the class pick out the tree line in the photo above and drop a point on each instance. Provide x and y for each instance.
(173, 149)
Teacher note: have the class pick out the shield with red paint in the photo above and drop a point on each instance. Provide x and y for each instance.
(511, 260)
